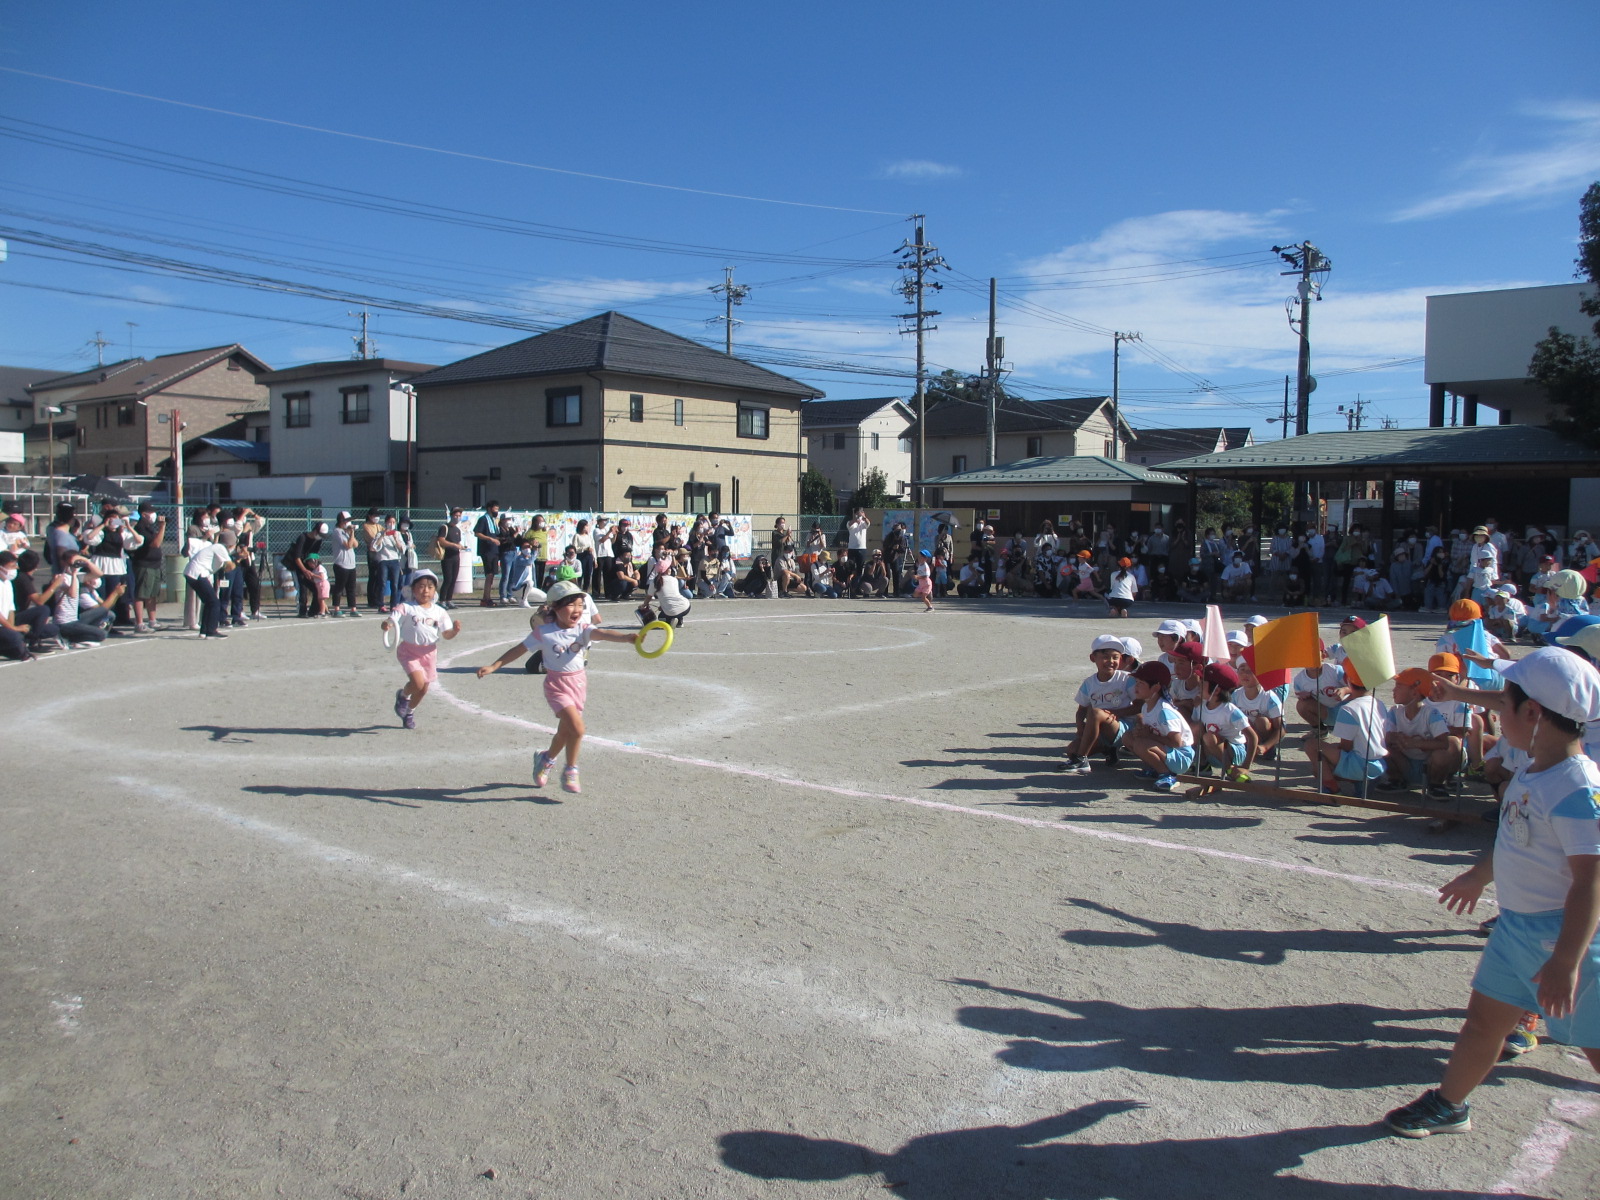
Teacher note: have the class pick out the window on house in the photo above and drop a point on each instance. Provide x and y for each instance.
(354, 410)
(480, 493)
(1035, 447)
(564, 407)
(677, 412)
(905, 445)
(494, 472)
(702, 497)
(574, 493)
(958, 463)
(752, 420)
(644, 497)
(838, 441)
(296, 410)
(125, 414)
(1111, 449)
(874, 441)
(635, 408)
(547, 493)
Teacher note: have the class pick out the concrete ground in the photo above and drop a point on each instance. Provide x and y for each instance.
(826, 921)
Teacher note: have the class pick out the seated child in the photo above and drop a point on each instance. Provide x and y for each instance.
(1184, 691)
(1422, 750)
(1356, 749)
(1160, 738)
(1466, 722)
(1319, 694)
(1105, 706)
(1227, 739)
(1294, 591)
(1503, 615)
(1263, 708)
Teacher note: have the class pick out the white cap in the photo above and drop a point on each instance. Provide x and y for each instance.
(1133, 646)
(1560, 682)
(1106, 641)
(1171, 628)
(1507, 589)
(1237, 638)
(1258, 619)
(1193, 626)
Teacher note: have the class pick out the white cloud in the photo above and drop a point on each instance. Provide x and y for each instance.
(581, 297)
(1567, 162)
(920, 169)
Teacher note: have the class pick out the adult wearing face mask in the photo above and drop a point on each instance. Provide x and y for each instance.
(386, 551)
(230, 594)
(345, 542)
(208, 559)
(294, 558)
(1356, 546)
(108, 545)
(150, 581)
(251, 527)
(371, 532)
(22, 635)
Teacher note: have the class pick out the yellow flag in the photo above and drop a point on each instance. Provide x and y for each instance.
(1371, 652)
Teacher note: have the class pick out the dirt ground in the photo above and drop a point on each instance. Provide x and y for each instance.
(826, 921)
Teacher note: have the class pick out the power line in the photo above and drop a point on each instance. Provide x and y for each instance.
(504, 162)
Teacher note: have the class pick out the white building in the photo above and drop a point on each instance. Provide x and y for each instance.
(846, 439)
(1478, 346)
(341, 432)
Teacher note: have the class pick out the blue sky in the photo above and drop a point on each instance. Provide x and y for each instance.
(1116, 168)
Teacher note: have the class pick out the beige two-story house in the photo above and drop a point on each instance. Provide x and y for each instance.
(956, 433)
(609, 414)
(848, 439)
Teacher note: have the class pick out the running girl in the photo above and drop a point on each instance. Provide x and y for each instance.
(924, 589)
(562, 643)
(421, 623)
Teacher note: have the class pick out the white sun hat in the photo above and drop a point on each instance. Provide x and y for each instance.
(1560, 682)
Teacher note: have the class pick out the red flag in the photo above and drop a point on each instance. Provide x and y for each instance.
(1269, 679)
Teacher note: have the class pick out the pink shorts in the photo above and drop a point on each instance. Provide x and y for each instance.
(566, 689)
(924, 587)
(419, 658)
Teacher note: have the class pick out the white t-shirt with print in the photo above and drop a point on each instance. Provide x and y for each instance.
(1561, 809)
(1109, 694)
(421, 626)
(1225, 721)
(1267, 703)
(1163, 718)
(1324, 686)
(1428, 722)
(1361, 722)
(563, 648)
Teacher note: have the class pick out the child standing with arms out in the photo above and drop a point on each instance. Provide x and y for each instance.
(1545, 866)
(562, 643)
(1161, 738)
(1105, 706)
(421, 623)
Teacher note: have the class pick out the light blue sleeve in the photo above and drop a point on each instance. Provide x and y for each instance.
(1576, 819)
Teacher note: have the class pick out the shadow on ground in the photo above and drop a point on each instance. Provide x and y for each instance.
(409, 797)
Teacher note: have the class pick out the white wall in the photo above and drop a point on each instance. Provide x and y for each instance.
(332, 490)
(329, 446)
(1475, 336)
(846, 468)
(11, 450)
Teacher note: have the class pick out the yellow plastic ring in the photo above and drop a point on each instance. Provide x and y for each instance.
(638, 642)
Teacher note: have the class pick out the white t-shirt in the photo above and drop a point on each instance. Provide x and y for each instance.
(1185, 689)
(1428, 722)
(1235, 571)
(1560, 809)
(1225, 721)
(1163, 718)
(670, 596)
(563, 648)
(1360, 722)
(206, 559)
(421, 626)
(1124, 585)
(1109, 694)
(8, 600)
(1511, 758)
(858, 534)
(15, 542)
(1267, 703)
(1324, 686)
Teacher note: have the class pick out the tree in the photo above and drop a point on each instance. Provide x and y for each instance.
(872, 493)
(816, 494)
(1567, 367)
(951, 384)
(1228, 506)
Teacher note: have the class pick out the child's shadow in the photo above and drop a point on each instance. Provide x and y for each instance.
(408, 797)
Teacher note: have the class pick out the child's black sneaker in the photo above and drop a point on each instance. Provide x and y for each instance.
(1073, 760)
(1111, 756)
(1428, 1114)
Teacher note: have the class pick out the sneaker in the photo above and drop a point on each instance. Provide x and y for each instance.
(569, 780)
(409, 720)
(1438, 791)
(1083, 768)
(1428, 1114)
(1111, 756)
(1072, 763)
(1522, 1040)
(1204, 769)
(401, 708)
(1238, 775)
(541, 768)
(1166, 783)
(213, 635)
(1389, 785)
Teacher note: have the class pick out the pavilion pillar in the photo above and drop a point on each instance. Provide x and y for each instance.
(1469, 410)
(1194, 509)
(1388, 524)
(1257, 501)
(1436, 406)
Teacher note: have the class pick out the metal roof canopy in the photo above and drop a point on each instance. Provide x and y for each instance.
(1464, 452)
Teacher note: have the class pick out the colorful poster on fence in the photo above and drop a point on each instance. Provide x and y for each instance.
(928, 527)
(742, 543)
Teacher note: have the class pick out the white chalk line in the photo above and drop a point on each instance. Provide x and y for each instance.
(691, 958)
(936, 805)
(1542, 1150)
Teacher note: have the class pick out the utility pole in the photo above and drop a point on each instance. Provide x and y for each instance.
(919, 260)
(1285, 425)
(1116, 389)
(364, 346)
(98, 341)
(132, 325)
(994, 352)
(732, 293)
(1354, 415)
(1312, 266)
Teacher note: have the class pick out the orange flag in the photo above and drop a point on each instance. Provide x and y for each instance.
(1288, 643)
(1271, 679)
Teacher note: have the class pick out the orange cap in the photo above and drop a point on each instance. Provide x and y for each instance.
(1416, 677)
(1351, 676)
(1445, 662)
(1465, 610)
